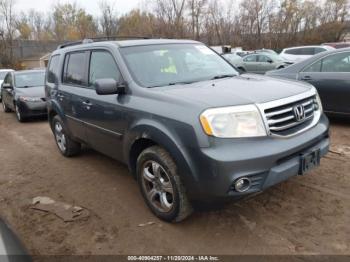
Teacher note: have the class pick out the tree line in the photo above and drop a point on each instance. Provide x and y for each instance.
(250, 24)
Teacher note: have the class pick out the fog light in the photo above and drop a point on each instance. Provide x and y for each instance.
(242, 184)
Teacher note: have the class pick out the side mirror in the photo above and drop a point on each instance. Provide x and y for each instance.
(7, 86)
(108, 86)
(270, 61)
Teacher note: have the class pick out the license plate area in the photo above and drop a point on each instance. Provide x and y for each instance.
(309, 161)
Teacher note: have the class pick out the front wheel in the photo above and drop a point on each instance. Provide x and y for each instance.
(19, 114)
(65, 144)
(161, 185)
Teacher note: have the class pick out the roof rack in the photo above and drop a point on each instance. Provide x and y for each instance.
(99, 39)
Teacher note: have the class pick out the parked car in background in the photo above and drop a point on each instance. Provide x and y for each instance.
(329, 72)
(299, 53)
(269, 51)
(338, 45)
(23, 92)
(260, 63)
(3, 73)
(190, 130)
(235, 60)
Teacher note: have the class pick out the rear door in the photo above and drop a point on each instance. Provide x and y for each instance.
(251, 63)
(73, 93)
(331, 76)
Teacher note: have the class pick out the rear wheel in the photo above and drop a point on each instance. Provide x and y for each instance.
(4, 106)
(67, 146)
(161, 185)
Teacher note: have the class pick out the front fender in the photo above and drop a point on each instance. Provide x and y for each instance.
(169, 140)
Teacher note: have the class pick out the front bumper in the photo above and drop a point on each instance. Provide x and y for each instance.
(266, 161)
(30, 109)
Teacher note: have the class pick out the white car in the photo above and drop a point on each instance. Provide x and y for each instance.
(299, 53)
(3, 73)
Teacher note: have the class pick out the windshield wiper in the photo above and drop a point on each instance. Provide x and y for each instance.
(173, 84)
(223, 76)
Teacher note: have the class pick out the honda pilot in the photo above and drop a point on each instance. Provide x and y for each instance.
(189, 127)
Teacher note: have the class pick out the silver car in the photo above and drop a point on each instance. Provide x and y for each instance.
(260, 63)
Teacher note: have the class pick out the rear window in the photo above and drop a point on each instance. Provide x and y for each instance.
(53, 69)
(74, 72)
(302, 51)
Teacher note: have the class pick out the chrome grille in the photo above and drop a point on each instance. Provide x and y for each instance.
(282, 119)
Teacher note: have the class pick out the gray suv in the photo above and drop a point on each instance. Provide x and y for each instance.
(188, 126)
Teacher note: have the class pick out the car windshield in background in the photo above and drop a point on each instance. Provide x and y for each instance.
(31, 79)
(3, 74)
(162, 65)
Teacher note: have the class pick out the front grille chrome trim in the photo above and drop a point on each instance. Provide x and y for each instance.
(313, 114)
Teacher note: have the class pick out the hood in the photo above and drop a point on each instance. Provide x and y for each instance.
(37, 91)
(240, 90)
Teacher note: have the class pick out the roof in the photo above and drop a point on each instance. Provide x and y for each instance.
(126, 43)
(305, 46)
(6, 70)
(28, 71)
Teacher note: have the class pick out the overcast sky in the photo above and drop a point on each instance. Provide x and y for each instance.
(91, 6)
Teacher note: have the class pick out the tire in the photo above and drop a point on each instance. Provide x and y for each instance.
(67, 146)
(19, 114)
(4, 106)
(161, 185)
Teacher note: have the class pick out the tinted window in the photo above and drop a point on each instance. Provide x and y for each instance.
(251, 58)
(8, 79)
(307, 51)
(316, 67)
(264, 59)
(102, 65)
(75, 68)
(319, 50)
(336, 63)
(53, 69)
(292, 52)
(30, 79)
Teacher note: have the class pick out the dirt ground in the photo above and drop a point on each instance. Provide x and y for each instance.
(305, 215)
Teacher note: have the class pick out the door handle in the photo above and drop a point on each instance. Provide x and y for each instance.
(306, 78)
(87, 103)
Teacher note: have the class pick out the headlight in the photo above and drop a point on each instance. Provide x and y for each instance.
(30, 99)
(319, 103)
(235, 121)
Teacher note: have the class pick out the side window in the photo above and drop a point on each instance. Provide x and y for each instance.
(292, 52)
(53, 69)
(251, 58)
(103, 65)
(307, 51)
(8, 79)
(337, 63)
(319, 50)
(316, 67)
(74, 72)
(264, 59)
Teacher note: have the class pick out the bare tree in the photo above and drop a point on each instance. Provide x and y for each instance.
(108, 20)
(9, 28)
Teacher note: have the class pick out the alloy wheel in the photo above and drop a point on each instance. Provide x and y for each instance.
(18, 113)
(60, 137)
(158, 187)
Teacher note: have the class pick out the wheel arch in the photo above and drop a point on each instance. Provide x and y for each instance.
(150, 133)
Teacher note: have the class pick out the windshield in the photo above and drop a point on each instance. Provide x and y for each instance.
(3, 74)
(29, 79)
(161, 65)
